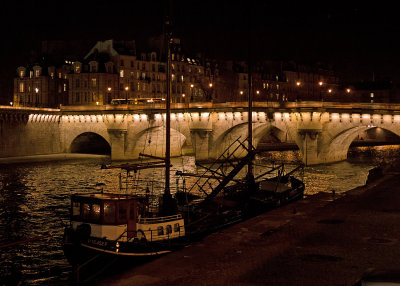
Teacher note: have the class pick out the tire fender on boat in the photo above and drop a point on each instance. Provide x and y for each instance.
(82, 232)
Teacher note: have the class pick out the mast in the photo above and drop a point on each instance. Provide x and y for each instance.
(250, 100)
(168, 108)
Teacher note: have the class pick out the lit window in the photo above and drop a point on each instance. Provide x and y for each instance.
(21, 87)
(76, 209)
(94, 82)
(372, 94)
(121, 73)
(37, 72)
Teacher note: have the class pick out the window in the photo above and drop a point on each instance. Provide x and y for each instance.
(122, 63)
(176, 227)
(85, 211)
(77, 97)
(160, 230)
(31, 74)
(132, 64)
(21, 87)
(76, 209)
(94, 82)
(22, 73)
(95, 213)
(169, 229)
(65, 87)
(77, 83)
(121, 73)
(109, 212)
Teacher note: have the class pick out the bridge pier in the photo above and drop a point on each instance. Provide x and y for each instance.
(309, 146)
(118, 140)
(200, 142)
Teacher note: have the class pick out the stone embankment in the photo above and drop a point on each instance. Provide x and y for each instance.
(321, 240)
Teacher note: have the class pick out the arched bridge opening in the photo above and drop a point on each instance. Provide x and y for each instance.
(90, 143)
(376, 136)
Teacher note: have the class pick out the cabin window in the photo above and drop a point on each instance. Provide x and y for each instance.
(176, 227)
(160, 230)
(95, 213)
(169, 229)
(109, 212)
(90, 212)
(76, 209)
(85, 211)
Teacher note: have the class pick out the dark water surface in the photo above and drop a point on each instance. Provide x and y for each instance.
(34, 203)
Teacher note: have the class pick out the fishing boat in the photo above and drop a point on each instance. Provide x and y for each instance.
(138, 225)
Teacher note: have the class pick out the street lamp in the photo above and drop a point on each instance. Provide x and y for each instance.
(126, 93)
(298, 84)
(320, 91)
(37, 97)
(191, 91)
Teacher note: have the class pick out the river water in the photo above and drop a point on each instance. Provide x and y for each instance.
(34, 203)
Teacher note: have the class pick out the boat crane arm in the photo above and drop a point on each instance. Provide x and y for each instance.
(136, 166)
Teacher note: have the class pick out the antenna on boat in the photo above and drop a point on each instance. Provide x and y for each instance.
(169, 204)
(250, 175)
(168, 38)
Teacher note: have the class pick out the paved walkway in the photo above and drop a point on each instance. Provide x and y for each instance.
(316, 241)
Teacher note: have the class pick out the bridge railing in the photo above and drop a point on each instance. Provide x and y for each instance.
(290, 106)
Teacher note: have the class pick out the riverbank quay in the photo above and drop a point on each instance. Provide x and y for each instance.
(48, 158)
(317, 241)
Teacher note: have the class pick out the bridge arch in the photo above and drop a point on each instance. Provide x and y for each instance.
(152, 141)
(89, 143)
(260, 130)
(338, 146)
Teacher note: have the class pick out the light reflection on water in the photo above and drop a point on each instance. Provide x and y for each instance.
(34, 201)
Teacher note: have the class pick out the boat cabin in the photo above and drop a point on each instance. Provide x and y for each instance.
(108, 214)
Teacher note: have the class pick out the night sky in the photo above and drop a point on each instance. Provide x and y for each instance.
(358, 39)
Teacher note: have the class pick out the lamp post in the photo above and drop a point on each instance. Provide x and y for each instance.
(109, 95)
(320, 90)
(298, 84)
(126, 93)
(37, 96)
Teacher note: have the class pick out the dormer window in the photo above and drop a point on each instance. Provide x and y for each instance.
(37, 71)
(93, 66)
(77, 67)
(109, 67)
(21, 72)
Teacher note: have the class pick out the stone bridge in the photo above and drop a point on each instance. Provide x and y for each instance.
(322, 131)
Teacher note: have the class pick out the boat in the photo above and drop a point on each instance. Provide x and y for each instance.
(141, 225)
